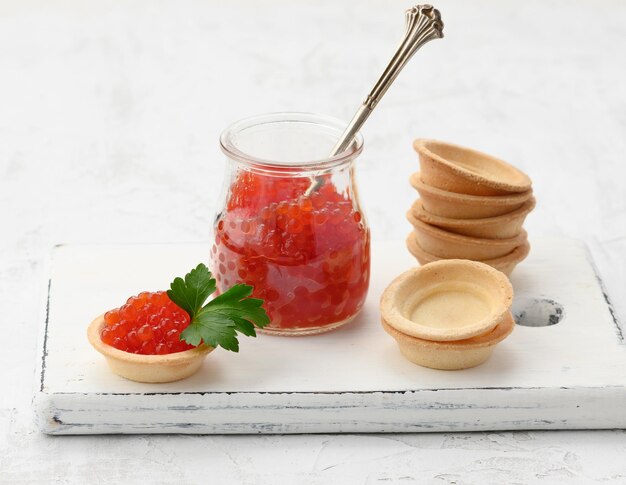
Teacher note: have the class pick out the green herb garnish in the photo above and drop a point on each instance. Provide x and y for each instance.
(217, 322)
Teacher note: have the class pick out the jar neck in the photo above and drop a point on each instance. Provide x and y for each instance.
(290, 170)
(288, 143)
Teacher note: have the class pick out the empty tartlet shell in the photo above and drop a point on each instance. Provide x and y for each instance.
(506, 264)
(466, 171)
(458, 355)
(147, 368)
(462, 206)
(499, 227)
(414, 289)
(448, 245)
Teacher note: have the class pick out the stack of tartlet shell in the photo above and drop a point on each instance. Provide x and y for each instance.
(449, 314)
(471, 206)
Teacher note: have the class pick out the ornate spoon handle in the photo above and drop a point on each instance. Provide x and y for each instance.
(423, 24)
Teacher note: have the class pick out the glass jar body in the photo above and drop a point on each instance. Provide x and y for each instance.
(307, 255)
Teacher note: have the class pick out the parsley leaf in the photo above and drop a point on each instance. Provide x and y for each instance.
(191, 293)
(217, 322)
(213, 329)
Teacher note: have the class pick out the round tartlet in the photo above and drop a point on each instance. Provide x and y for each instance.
(466, 171)
(457, 355)
(147, 368)
(499, 227)
(447, 300)
(446, 244)
(505, 264)
(443, 203)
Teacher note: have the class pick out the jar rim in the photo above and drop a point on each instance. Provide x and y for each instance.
(229, 147)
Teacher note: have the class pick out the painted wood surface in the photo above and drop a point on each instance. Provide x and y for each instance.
(571, 374)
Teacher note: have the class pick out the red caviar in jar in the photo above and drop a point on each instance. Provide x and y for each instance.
(149, 323)
(307, 256)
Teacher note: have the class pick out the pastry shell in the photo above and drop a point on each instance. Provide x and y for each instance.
(461, 354)
(462, 206)
(447, 245)
(499, 227)
(447, 300)
(147, 368)
(466, 171)
(506, 264)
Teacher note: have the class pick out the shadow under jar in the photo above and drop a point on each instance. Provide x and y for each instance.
(306, 255)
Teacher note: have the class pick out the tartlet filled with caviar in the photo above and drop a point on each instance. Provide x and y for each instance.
(165, 336)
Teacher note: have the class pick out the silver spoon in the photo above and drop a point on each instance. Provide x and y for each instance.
(423, 24)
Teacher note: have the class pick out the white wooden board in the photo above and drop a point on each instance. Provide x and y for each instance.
(568, 375)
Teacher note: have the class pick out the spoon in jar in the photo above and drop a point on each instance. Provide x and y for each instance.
(423, 24)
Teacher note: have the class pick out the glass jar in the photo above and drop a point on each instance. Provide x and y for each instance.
(306, 254)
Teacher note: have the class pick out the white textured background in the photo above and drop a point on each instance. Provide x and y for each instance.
(109, 119)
